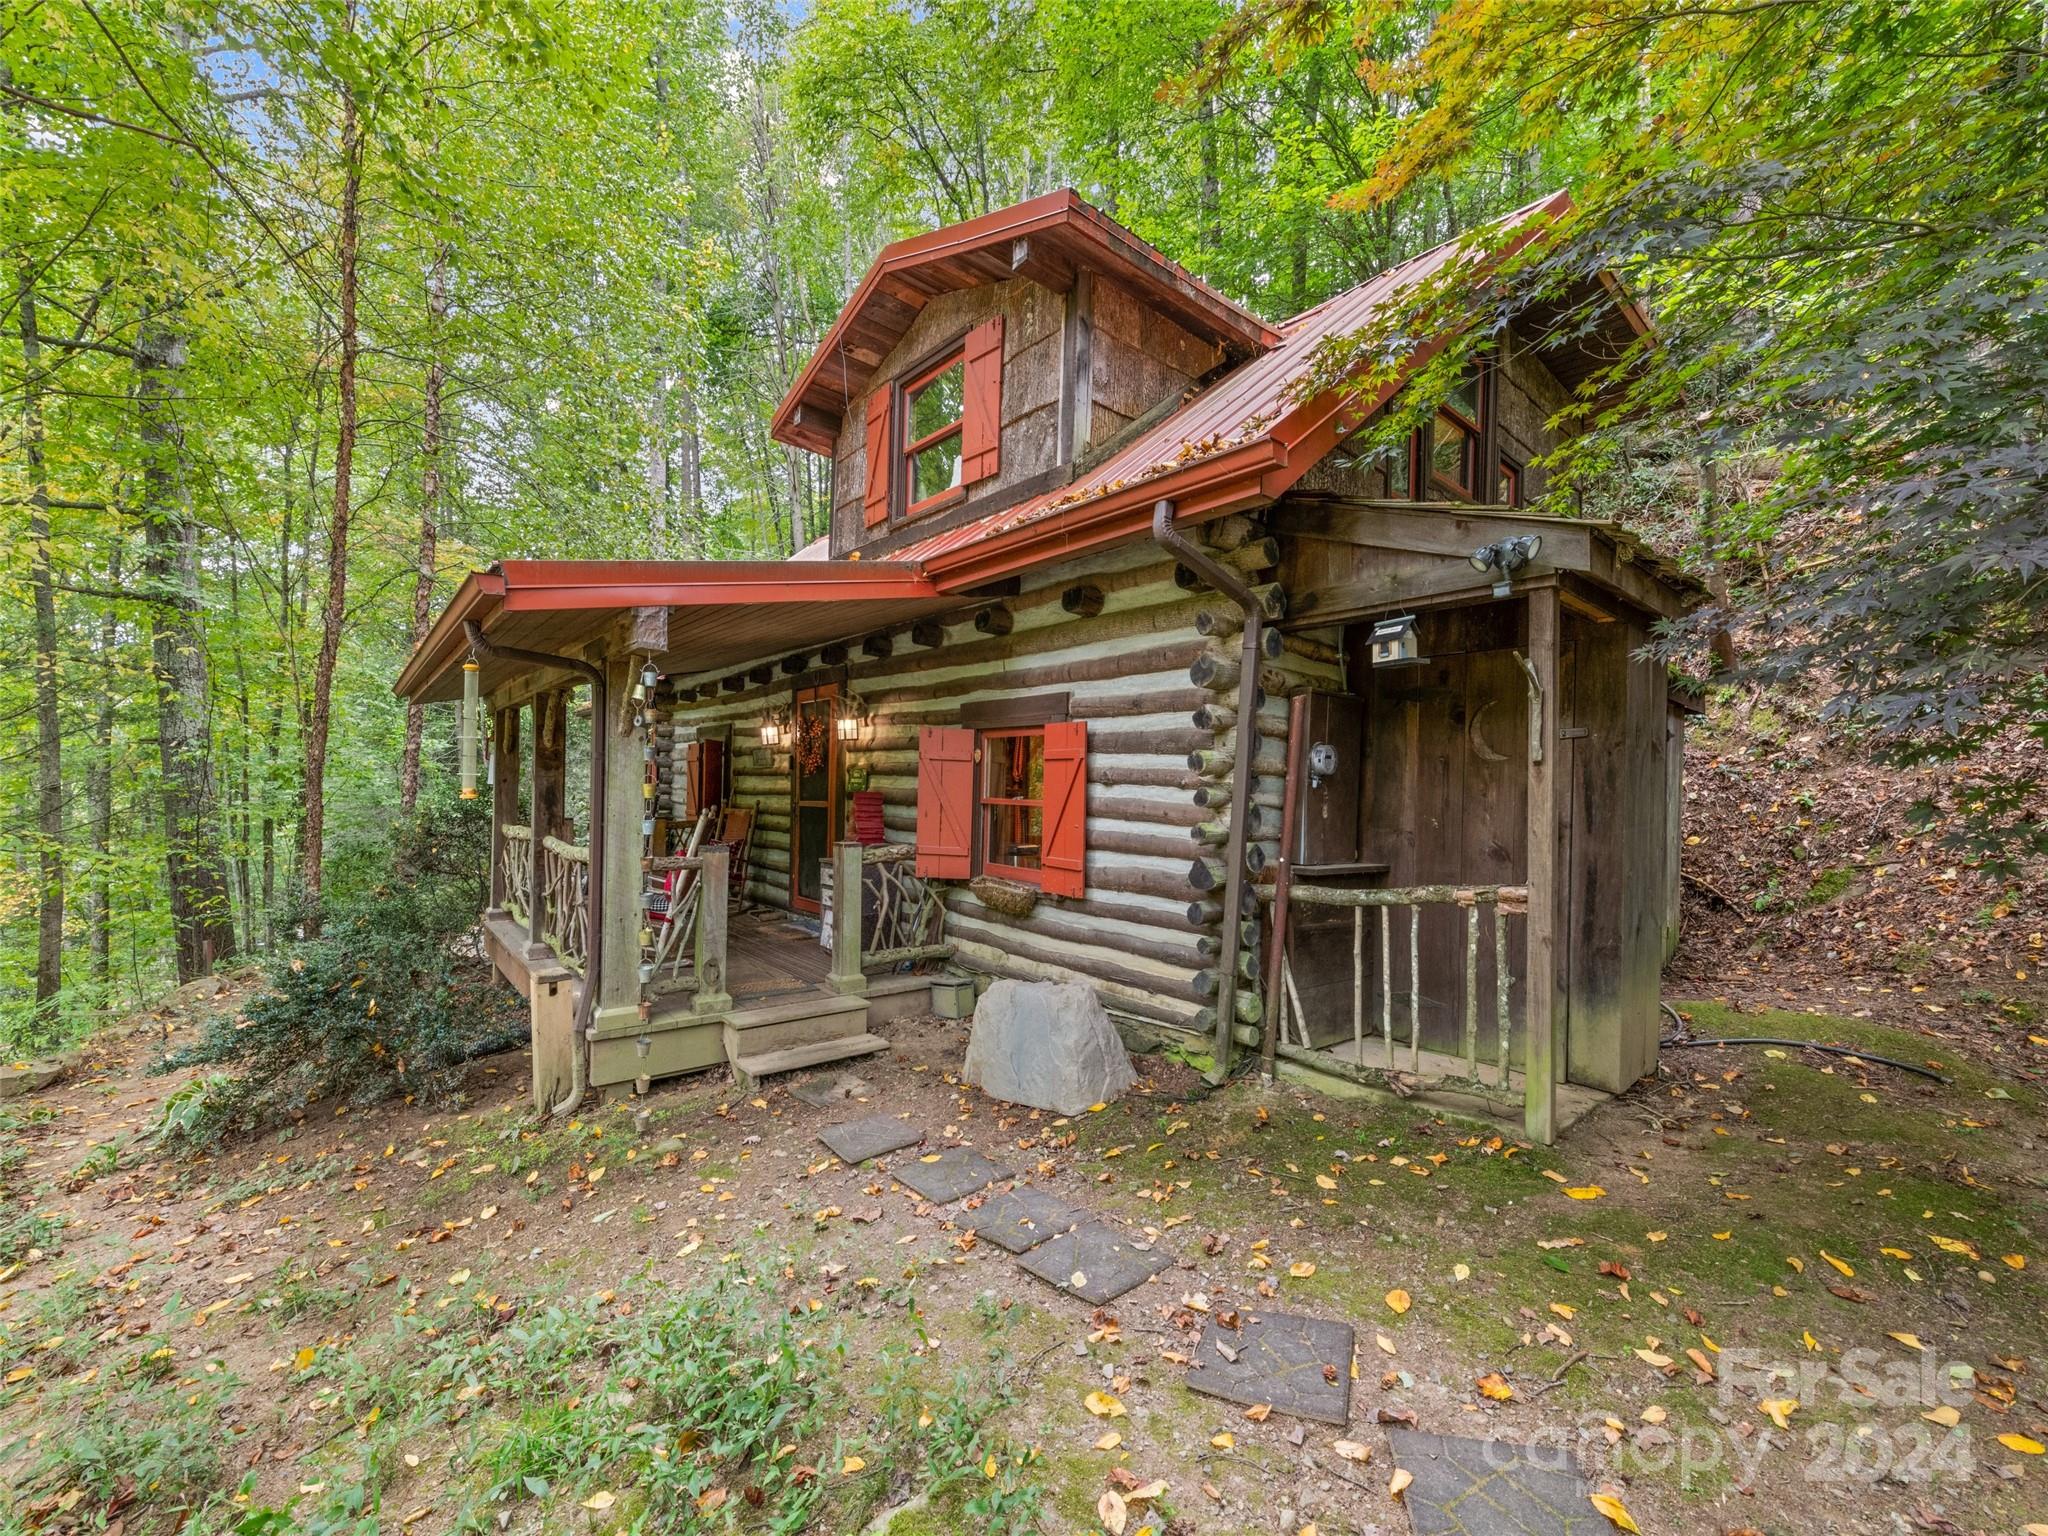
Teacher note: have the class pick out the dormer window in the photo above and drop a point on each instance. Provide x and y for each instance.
(936, 431)
(933, 403)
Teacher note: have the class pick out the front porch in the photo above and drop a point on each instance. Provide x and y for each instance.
(756, 989)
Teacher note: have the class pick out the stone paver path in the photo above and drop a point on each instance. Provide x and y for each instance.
(1020, 1219)
(1094, 1262)
(1300, 1365)
(1492, 1488)
(870, 1136)
(949, 1175)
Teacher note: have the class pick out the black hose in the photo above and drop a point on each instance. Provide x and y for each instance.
(1674, 1041)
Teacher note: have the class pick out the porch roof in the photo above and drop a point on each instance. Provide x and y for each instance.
(719, 612)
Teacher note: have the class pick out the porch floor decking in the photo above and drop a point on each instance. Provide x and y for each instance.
(771, 955)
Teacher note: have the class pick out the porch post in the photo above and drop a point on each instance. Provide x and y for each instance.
(846, 975)
(550, 718)
(625, 769)
(713, 879)
(1545, 1004)
(504, 797)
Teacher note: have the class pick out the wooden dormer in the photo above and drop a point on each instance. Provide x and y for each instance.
(982, 363)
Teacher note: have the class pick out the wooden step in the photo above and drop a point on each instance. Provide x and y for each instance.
(751, 1069)
(801, 1021)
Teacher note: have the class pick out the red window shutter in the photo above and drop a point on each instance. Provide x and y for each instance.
(981, 425)
(945, 802)
(875, 503)
(1063, 868)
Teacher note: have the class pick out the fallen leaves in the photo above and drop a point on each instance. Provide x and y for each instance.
(1258, 1413)
(853, 1464)
(1351, 1450)
(1109, 1441)
(1398, 1301)
(1847, 1270)
(1910, 1340)
(2025, 1445)
(1494, 1387)
(1779, 1410)
(1398, 1483)
(1586, 1192)
(602, 1500)
(1103, 1406)
(1301, 1269)
(1616, 1512)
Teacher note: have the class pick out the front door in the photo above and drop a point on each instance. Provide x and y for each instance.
(814, 769)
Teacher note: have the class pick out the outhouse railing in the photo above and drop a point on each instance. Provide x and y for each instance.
(565, 901)
(1375, 1000)
(515, 858)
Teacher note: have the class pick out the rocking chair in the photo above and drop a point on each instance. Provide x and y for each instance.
(736, 831)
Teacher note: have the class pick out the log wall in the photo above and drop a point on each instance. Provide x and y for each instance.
(1128, 661)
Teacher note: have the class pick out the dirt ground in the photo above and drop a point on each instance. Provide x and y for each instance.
(386, 1320)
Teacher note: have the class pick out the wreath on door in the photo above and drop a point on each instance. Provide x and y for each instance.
(810, 743)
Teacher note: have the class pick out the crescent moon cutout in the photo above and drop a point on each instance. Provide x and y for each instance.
(1485, 753)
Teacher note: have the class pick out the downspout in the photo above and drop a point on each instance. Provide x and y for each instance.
(586, 1006)
(1232, 586)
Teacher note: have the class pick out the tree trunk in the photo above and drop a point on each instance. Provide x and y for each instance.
(430, 517)
(202, 917)
(313, 830)
(1720, 638)
(49, 773)
(99, 798)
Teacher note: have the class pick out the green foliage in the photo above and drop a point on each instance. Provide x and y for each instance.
(380, 1005)
(1836, 210)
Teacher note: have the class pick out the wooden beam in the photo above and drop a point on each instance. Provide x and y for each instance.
(877, 646)
(1545, 1004)
(846, 975)
(625, 807)
(929, 633)
(1032, 259)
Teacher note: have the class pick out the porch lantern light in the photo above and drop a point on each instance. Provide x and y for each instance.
(466, 728)
(1394, 643)
(775, 730)
(1506, 557)
(853, 714)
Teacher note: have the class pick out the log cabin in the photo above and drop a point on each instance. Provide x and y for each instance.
(1118, 664)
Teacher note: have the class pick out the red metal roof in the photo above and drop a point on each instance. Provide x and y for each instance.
(1047, 239)
(721, 612)
(1243, 440)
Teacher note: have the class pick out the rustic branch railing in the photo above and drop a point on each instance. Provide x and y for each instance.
(672, 960)
(565, 901)
(515, 856)
(909, 922)
(1497, 900)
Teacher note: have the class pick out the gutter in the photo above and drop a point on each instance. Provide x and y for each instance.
(1232, 586)
(586, 1006)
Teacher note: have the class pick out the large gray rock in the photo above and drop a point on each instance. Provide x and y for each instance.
(1046, 1044)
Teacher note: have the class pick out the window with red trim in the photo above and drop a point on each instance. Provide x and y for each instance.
(933, 410)
(1454, 439)
(1013, 802)
(1508, 493)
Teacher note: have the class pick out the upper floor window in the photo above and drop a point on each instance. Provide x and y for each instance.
(937, 431)
(933, 403)
(1455, 438)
